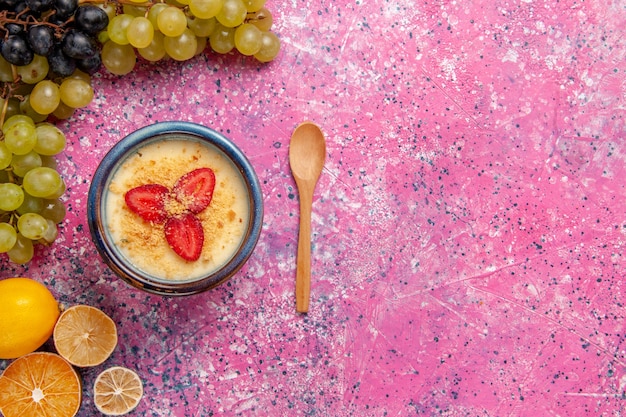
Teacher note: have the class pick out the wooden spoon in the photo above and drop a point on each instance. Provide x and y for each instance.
(307, 152)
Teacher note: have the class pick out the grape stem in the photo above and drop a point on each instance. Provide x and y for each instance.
(3, 113)
(11, 17)
(120, 2)
(8, 92)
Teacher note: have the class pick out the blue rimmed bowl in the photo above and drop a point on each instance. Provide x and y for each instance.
(100, 213)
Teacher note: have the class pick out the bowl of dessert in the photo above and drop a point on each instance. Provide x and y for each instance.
(175, 208)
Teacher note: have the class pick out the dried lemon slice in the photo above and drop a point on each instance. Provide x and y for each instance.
(117, 391)
(85, 335)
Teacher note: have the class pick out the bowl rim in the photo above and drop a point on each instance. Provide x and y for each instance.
(125, 148)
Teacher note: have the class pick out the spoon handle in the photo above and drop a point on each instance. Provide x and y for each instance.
(303, 259)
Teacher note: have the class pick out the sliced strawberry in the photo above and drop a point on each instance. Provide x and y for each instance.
(185, 236)
(148, 201)
(195, 189)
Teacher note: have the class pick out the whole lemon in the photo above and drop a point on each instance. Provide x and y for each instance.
(28, 313)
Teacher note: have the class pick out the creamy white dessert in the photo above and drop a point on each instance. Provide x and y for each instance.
(224, 221)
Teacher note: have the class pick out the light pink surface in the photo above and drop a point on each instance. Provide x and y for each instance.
(469, 225)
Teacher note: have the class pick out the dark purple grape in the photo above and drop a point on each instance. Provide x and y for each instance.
(8, 5)
(15, 50)
(57, 19)
(41, 39)
(91, 19)
(24, 11)
(90, 65)
(78, 45)
(40, 5)
(14, 28)
(19, 6)
(60, 64)
(65, 8)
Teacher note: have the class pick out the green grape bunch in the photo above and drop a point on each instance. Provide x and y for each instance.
(182, 29)
(30, 186)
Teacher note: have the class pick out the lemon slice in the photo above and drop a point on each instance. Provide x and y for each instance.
(85, 336)
(117, 391)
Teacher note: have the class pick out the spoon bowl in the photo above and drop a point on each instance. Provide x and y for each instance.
(307, 153)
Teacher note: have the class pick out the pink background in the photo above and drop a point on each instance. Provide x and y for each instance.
(469, 226)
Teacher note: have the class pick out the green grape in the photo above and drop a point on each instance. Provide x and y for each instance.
(22, 252)
(201, 45)
(202, 27)
(222, 40)
(50, 139)
(63, 111)
(103, 37)
(262, 19)
(12, 107)
(140, 32)
(42, 182)
(51, 232)
(6, 72)
(117, 28)
(109, 8)
(153, 13)
(232, 13)
(78, 74)
(22, 89)
(45, 97)
(205, 9)
(20, 138)
(21, 164)
(8, 237)
(48, 161)
(183, 47)
(32, 226)
(118, 59)
(76, 92)
(155, 51)
(35, 71)
(30, 205)
(135, 10)
(58, 192)
(18, 118)
(248, 39)
(270, 47)
(53, 210)
(27, 109)
(172, 21)
(5, 156)
(253, 5)
(11, 196)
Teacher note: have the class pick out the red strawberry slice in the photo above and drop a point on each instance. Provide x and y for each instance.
(185, 236)
(148, 201)
(195, 189)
